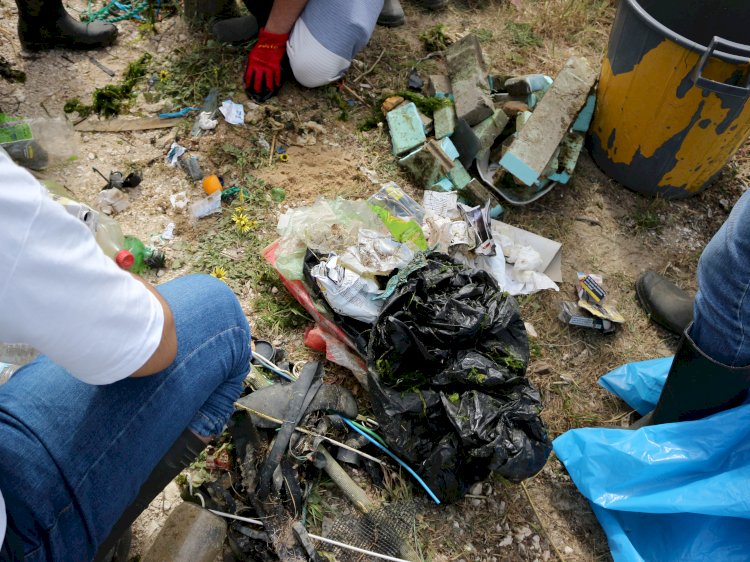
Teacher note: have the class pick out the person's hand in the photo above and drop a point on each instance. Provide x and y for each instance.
(263, 71)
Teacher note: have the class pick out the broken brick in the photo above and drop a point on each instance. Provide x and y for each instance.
(489, 129)
(444, 121)
(406, 129)
(438, 85)
(468, 75)
(530, 153)
(427, 165)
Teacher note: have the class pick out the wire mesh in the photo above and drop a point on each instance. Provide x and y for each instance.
(386, 530)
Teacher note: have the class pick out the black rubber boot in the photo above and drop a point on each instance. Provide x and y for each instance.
(184, 451)
(392, 14)
(236, 30)
(664, 302)
(44, 24)
(434, 4)
(261, 9)
(696, 387)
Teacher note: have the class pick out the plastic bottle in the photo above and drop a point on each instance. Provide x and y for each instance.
(144, 256)
(12, 357)
(111, 240)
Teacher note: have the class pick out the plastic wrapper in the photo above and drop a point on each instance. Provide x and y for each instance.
(400, 213)
(328, 226)
(669, 492)
(347, 292)
(447, 360)
(375, 254)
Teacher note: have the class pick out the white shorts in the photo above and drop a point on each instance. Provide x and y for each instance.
(327, 36)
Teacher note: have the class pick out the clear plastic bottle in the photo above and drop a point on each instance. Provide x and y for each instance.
(12, 357)
(111, 240)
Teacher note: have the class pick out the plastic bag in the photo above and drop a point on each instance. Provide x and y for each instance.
(327, 226)
(400, 214)
(669, 492)
(375, 254)
(447, 360)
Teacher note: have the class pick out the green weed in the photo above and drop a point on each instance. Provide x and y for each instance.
(522, 34)
(435, 39)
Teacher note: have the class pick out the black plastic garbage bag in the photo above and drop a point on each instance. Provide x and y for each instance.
(447, 360)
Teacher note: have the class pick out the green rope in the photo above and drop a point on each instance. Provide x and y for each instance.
(104, 13)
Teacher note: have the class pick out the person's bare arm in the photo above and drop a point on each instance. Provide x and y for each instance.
(283, 15)
(167, 350)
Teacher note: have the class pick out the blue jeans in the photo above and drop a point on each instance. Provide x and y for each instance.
(73, 456)
(721, 323)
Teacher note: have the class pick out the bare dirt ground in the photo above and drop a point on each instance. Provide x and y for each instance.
(545, 518)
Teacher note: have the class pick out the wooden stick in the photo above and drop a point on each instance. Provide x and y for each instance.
(353, 93)
(273, 149)
(366, 72)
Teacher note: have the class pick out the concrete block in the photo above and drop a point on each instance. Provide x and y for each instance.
(445, 121)
(525, 85)
(426, 122)
(476, 193)
(406, 129)
(583, 121)
(489, 129)
(468, 75)
(189, 533)
(427, 165)
(537, 142)
(443, 185)
(438, 85)
(466, 141)
(459, 176)
(449, 148)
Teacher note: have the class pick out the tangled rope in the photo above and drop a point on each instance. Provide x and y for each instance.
(129, 9)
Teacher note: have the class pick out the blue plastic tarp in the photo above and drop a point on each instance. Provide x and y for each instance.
(670, 492)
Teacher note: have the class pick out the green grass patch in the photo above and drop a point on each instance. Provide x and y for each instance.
(522, 34)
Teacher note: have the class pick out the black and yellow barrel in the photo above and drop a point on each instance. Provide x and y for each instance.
(672, 104)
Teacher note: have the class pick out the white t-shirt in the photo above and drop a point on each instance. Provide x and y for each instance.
(60, 294)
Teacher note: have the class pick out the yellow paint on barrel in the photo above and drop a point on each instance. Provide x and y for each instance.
(641, 110)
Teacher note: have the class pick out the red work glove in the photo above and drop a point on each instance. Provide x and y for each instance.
(263, 71)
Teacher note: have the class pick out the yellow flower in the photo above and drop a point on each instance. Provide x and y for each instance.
(220, 273)
(163, 75)
(242, 222)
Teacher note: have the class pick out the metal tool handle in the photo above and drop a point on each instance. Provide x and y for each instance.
(719, 87)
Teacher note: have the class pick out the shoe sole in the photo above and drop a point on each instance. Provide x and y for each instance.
(392, 22)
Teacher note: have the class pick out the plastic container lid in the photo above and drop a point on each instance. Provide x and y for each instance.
(124, 259)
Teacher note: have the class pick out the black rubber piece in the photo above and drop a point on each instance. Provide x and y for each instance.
(664, 302)
(303, 392)
(697, 386)
(274, 400)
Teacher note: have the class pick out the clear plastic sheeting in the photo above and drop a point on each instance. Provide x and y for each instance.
(670, 492)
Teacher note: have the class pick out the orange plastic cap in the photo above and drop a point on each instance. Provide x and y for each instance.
(124, 259)
(211, 184)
